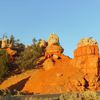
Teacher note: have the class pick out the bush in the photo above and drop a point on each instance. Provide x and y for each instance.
(3, 63)
(29, 57)
(86, 95)
(89, 95)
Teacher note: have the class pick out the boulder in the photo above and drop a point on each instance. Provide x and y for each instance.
(11, 52)
(87, 41)
(53, 47)
(55, 57)
(4, 43)
(53, 39)
(53, 50)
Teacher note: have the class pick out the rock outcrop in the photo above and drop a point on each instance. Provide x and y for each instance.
(53, 50)
(87, 42)
(53, 47)
(87, 46)
(11, 54)
(53, 39)
(86, 58)
(5, 43)
(65, 74)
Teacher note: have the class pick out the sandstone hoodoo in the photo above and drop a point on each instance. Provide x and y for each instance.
(87, 46)
(6, 44)
(60, 73)
(86, 58)
(53, 51)
(53, 47)
(53, 39)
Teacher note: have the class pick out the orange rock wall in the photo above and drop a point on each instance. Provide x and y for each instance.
(86, 50)
(86, 58)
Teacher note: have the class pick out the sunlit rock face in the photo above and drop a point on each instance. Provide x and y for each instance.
(53, 39)
(86, 58)
(87, 46)
(11, 52)
(87, 42)
(66, 74)
(53, 47)
(4, 43)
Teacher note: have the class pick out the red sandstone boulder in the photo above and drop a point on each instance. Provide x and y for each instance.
(53, 39)
(11, 52)
(53, 49)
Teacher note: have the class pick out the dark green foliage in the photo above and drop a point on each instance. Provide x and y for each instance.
(3, 63)
(17, 45)
(29, 57)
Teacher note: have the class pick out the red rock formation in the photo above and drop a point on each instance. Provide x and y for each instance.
(86, 58)
(86, 50)
(66, 74)
(11, 54)
(53, 50)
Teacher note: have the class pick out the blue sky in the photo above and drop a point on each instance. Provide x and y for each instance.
(69, 19)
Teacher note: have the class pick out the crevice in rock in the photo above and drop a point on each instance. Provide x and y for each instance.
(86, 85)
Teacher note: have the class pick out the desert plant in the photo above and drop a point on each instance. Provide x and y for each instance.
(29, 57)
(17, 45)
(70, 96)
(3, 63)
(89, 95)
(86, 95)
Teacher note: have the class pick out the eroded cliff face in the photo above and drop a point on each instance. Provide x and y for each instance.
(60, 73)
(64, 74)
(86, 58)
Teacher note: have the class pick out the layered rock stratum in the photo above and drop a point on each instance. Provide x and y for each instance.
(60, 73)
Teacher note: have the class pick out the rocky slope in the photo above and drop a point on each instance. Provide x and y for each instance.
(60, 73)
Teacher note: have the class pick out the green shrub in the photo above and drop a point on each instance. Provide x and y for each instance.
(29, 57)
(70, 96)
(3, 63)
(89, 95)
(86, 95)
